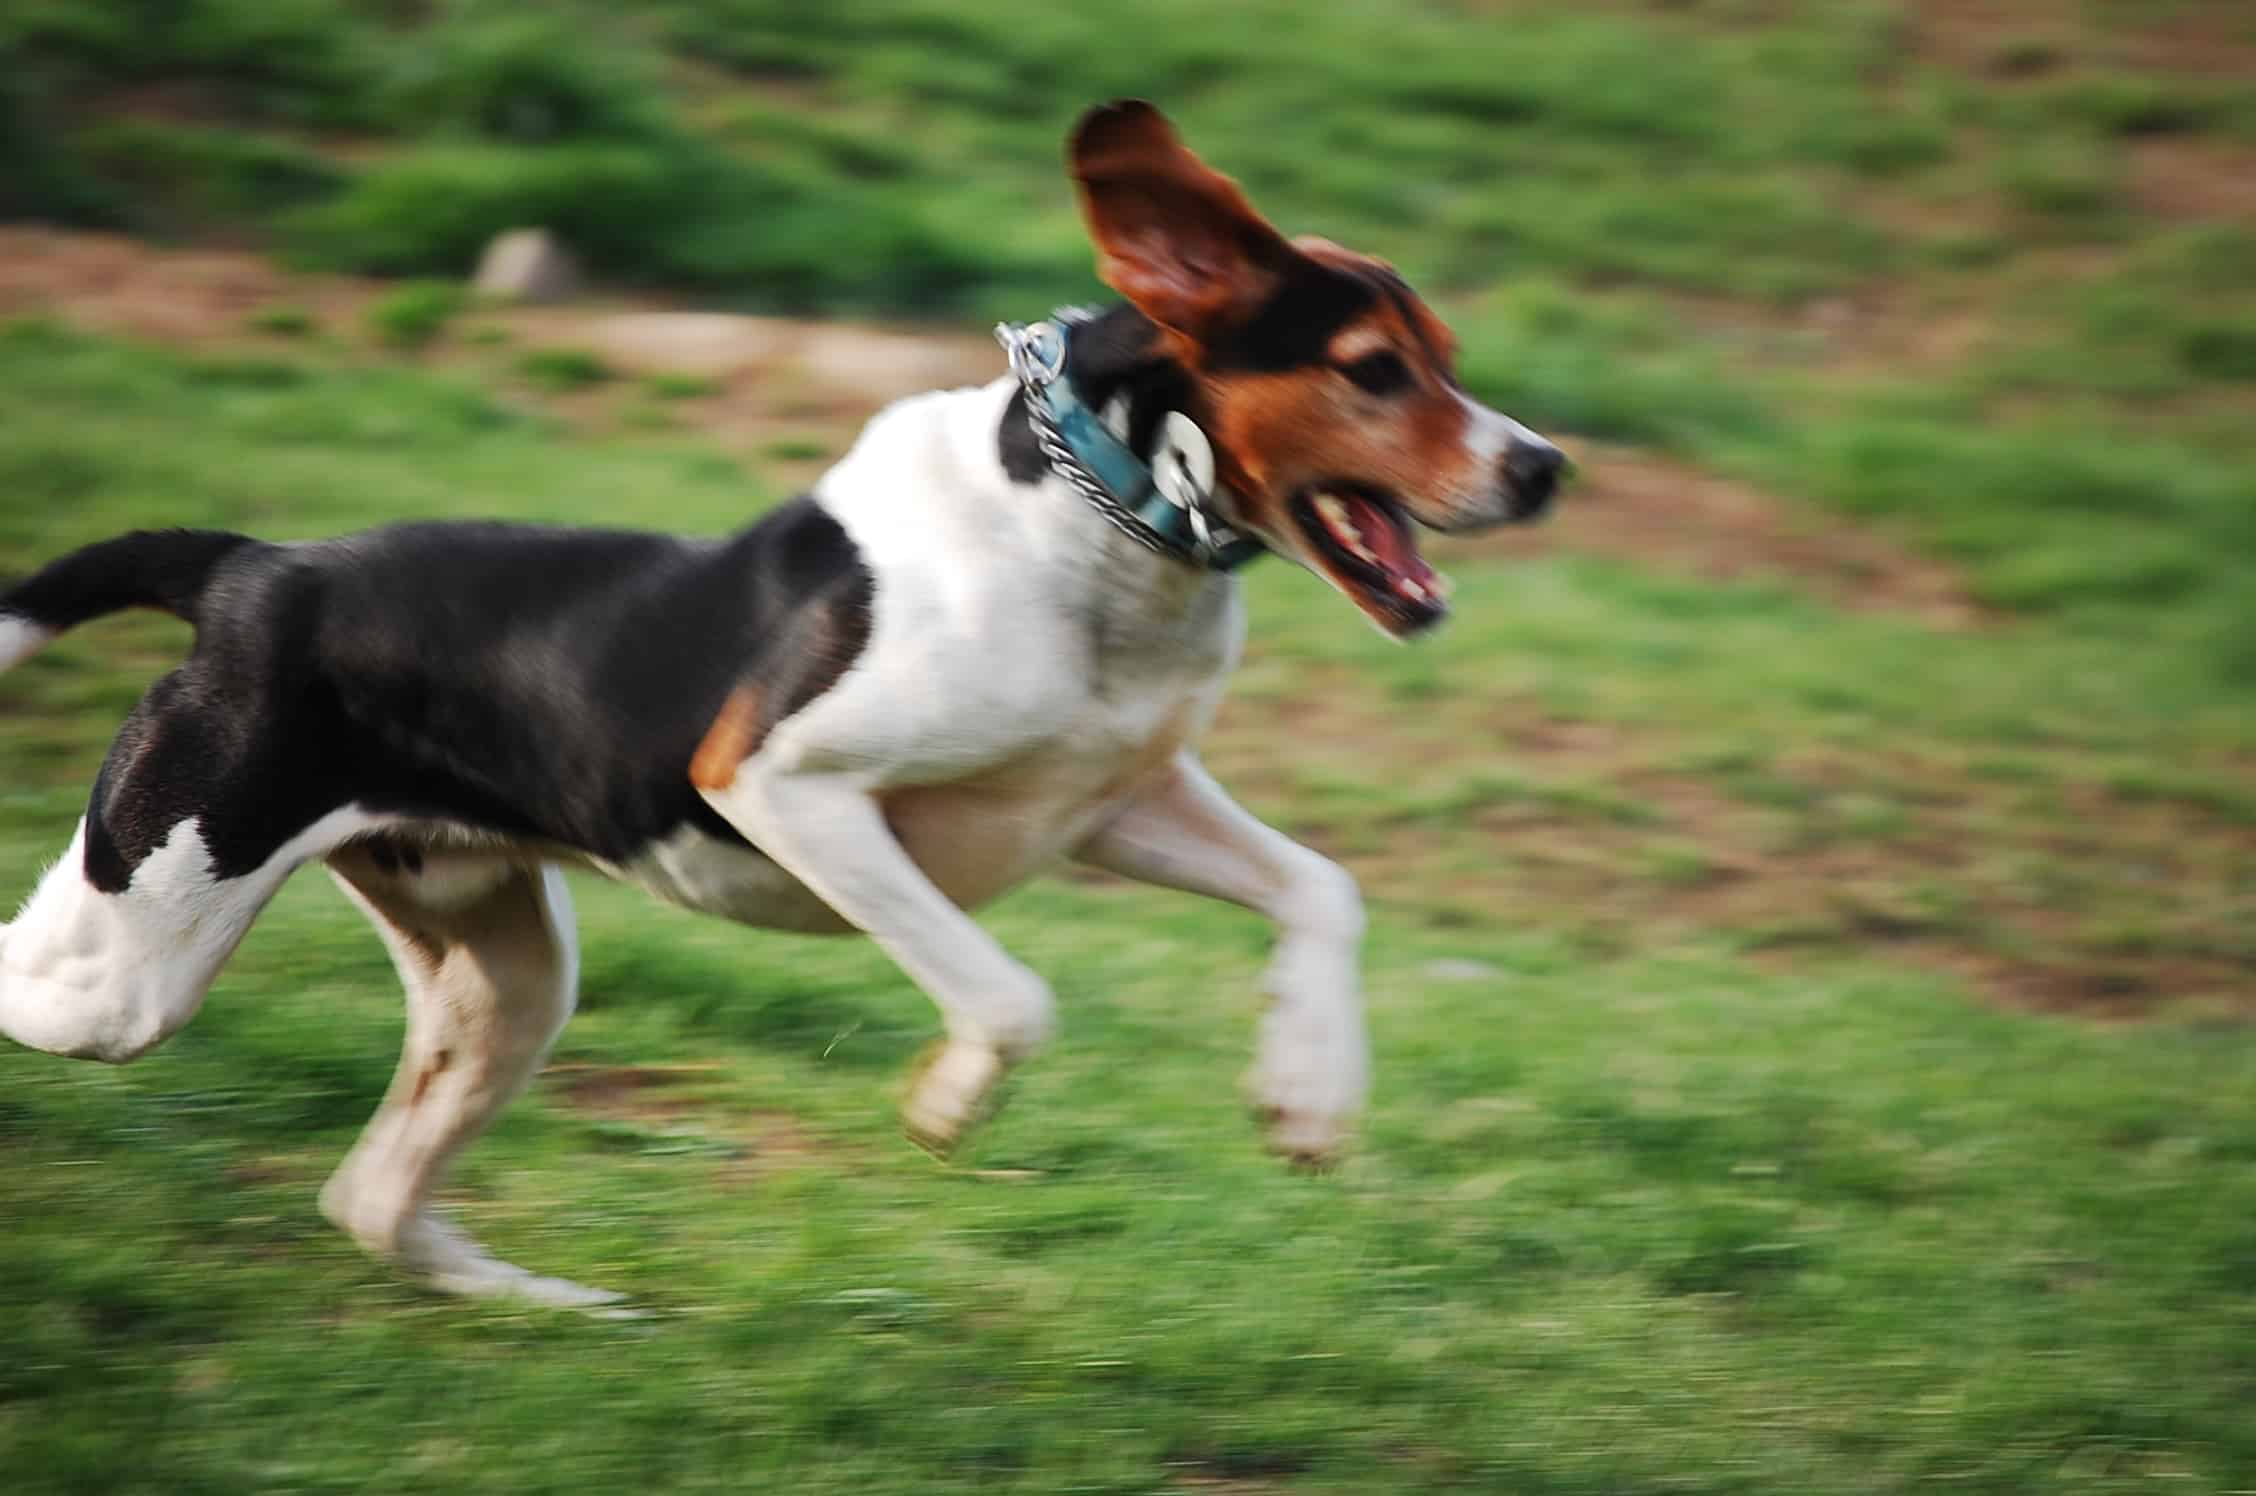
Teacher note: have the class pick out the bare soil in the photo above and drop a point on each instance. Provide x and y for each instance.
(2058, 895)
(665, 1100)
(2195, 179)
(2012, 39)
(1670, 517)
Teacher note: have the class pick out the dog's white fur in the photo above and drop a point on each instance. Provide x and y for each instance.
(20, 639)
(102, 976)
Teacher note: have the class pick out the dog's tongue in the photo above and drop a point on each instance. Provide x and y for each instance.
(1376, 536)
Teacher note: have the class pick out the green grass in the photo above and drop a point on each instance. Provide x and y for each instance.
(283, 321)
(1742, 1123)
(415, 314)
(1651, 1199)
(681, 386)
(558, 369)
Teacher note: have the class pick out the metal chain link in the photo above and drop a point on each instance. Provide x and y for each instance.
(1018, 343)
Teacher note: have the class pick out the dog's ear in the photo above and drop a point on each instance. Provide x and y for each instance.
(1173, 235)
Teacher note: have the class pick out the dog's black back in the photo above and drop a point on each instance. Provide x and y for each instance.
(543, 684)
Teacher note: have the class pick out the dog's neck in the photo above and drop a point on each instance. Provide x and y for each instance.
(1119, 367)
(1121, 370)
(952, 482)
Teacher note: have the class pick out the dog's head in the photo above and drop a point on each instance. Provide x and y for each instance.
(1328, 389)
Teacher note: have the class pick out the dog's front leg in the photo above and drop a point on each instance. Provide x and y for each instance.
(828, 831)
(1313, 1067)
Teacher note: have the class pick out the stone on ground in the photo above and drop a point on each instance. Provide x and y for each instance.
(527, 265)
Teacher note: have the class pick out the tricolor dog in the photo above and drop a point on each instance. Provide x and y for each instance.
(987, 640)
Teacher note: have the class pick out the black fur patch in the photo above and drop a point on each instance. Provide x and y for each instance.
(1294, 328)
(541, 683)
(165, 569)
(1022, 457)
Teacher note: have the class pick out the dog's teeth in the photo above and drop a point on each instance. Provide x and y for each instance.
(1342, 525)
(1410, 590)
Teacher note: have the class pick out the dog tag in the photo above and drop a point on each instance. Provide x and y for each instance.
(1183, 468)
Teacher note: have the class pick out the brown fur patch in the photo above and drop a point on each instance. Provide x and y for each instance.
(1173, 235)
(1276, 432)
(429, 1073)
(735, 733)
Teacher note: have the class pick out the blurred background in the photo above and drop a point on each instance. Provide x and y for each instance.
(1813, 879)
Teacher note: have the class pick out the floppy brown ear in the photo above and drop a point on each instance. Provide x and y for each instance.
(1173, 235)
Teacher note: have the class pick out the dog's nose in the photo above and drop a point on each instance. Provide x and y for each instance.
(1531, 472)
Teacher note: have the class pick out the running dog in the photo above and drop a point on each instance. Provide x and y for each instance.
(986, 640)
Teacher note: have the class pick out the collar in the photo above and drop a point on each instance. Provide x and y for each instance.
(1168, 505)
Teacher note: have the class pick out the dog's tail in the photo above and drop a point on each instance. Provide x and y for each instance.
(162, 569)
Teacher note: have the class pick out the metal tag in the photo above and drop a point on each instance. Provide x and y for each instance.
(1183, 465)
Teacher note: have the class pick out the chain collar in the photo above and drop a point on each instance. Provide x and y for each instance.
(1171, 511)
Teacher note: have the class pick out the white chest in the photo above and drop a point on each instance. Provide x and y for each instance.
(1027, 670)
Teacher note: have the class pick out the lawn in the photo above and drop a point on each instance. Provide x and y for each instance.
(1812, 1026)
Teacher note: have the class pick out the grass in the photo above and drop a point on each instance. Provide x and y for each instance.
(1660, 1192)
(415, 314)
(1758, 1110)
(283, 321)
(681, 386)
(558, 369)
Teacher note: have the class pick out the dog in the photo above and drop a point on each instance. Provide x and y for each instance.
(985, 641)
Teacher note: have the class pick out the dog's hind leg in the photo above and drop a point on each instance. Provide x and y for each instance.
(109, 972)
(194, 823)
(489, 957)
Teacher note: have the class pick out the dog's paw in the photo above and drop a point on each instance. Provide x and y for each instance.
(501, 1281)
(445, 1258)
(1314, 1141)
(951, 1090)
(1307, 1088)
(442, 1257)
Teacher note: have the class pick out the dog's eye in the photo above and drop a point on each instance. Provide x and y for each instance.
(1381, 373)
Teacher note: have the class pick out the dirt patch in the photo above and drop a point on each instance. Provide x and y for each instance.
(625, 1093)
(2216, 40)
(123, 286)
(1233, 1470)
(1999, 39)
(2054, 893)
(842, 368)
(2193, 179)
(1672, 518)
(119, 285)
(788, 394)
(2013, 39)
(1879, 327)
(660, 1101)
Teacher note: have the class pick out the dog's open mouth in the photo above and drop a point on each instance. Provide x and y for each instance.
(1365, 545)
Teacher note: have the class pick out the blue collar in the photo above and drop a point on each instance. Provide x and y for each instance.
(1172, 511)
